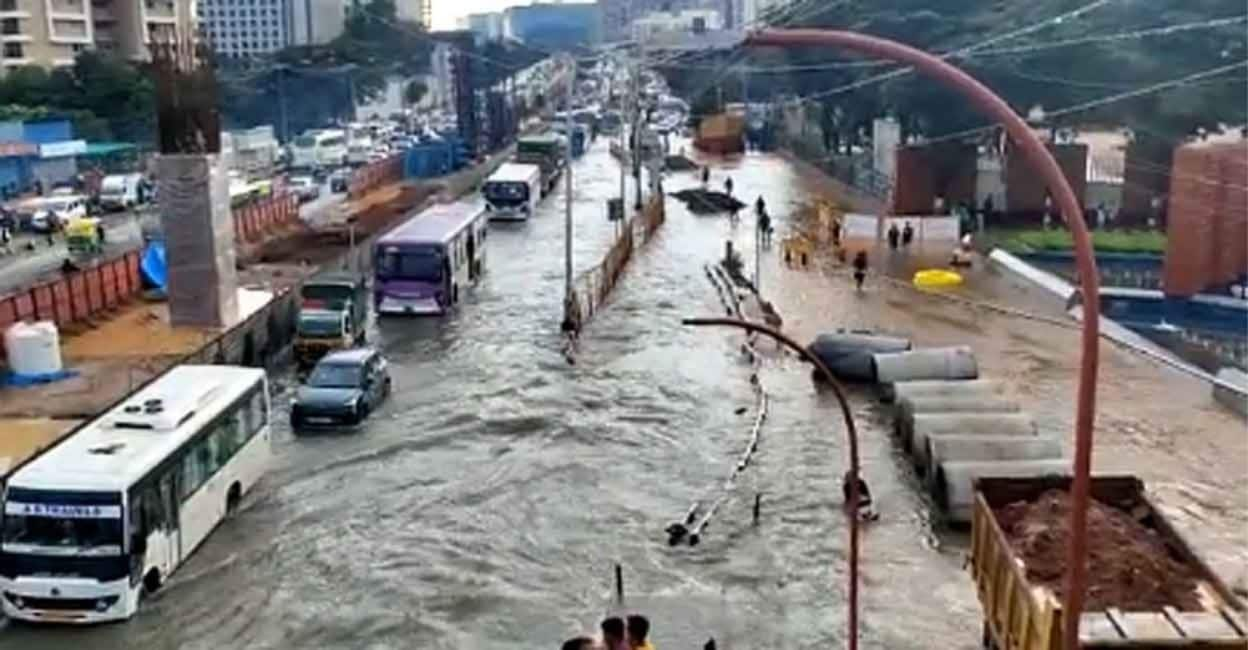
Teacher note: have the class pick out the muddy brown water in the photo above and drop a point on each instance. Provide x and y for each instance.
(485, 504)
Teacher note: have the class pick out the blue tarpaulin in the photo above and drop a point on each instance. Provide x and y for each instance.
(155, 272)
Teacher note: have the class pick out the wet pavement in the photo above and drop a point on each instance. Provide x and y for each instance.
(25, 268)
(485, 504)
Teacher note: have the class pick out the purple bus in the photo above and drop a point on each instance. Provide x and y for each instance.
(422, 265)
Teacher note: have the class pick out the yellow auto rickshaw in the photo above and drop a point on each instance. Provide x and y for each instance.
(82, 236)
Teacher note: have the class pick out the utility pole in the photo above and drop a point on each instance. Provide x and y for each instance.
(641, 54)
(623, 148)
(567, 198)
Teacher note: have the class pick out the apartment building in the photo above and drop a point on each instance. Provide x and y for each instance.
(51, 33)
(245, 28)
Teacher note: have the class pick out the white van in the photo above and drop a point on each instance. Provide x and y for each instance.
(360, 150)
(319, 148)
(47, 214)
(121, 191)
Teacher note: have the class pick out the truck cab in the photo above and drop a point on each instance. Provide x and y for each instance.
(333, 315)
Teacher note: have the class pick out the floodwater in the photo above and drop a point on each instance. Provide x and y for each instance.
(487, 502)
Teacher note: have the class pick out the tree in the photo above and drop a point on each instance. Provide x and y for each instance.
(415, 91)
(105, 97)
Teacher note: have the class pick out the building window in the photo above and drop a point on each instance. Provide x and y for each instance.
(10, 26)
(8, 5)
(13, 51)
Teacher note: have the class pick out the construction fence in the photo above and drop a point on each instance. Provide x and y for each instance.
(75, 297)
(591, 287)
(259, 218)
(373, 175)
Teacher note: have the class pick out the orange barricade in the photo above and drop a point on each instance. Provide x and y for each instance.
(75, 297)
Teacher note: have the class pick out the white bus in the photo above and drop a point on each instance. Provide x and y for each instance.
(319, 148)
(111, 511)
(512, 192)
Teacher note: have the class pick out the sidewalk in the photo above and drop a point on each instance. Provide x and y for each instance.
(1152, 421)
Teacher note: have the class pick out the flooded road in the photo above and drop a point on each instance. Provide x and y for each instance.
(485, 504)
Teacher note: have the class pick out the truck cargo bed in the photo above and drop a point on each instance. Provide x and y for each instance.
(1020, 615)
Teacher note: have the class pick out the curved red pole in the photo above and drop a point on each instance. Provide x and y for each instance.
(1051, 174)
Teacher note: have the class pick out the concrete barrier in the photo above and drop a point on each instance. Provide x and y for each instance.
(983, 448)
(1225, 394)
(908, 408)
(953, 482)
(930, 363)
(940, 388)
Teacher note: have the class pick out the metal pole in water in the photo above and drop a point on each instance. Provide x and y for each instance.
(567, 199)
(619, 583)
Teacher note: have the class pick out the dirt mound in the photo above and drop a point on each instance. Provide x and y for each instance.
(702, 201)
(1130, 566)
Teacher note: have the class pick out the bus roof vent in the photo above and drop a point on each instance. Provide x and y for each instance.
(108, 449)
(165, 411)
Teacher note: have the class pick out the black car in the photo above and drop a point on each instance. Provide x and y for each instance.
(343, 388)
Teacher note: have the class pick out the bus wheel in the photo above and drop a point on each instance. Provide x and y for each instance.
(232, 498)
(151, 581)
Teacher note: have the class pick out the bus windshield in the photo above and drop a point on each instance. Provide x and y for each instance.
(305, 142)
(505, 190)
(68, 533)
(421, 266)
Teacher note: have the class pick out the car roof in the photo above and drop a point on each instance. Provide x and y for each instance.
(344, 357)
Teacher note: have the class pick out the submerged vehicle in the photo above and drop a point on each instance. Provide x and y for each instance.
(333, 315)
(344, 388)
(422, 264)
(513, 191)
(547, 151)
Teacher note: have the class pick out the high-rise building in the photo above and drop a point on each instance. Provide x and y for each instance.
(417, 11)
(51, 33)
(245, 28)
(316, 22)
(554, 25)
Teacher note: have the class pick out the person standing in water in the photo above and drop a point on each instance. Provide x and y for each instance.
(860, 268)
(907, 235)
(706, 175)
(728, 186)
(894, 236)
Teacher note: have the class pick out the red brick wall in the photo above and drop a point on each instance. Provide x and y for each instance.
(923, 172)
(1024, 194)
(1207, 227)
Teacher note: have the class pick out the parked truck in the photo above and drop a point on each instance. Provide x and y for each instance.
(333, 315)
(547, 151)
(1022, 614)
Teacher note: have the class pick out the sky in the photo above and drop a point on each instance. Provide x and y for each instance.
(447, 12)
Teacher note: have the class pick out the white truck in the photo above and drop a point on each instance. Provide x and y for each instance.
(122, 191)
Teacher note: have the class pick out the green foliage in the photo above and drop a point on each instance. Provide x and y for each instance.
(1052, 78)
(1104, 241)
(105, 97)
(414, 92)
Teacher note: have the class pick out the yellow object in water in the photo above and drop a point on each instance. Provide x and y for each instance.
(937, 278)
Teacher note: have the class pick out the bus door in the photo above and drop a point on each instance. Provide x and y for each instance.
(169, 503)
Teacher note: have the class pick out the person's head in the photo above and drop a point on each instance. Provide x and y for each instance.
(638, 628)
(612, 630)
(579, 643)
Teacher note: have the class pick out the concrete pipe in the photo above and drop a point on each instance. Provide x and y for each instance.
(953, 485)
(931, 363)
(981, 448)
(908, 408)
(924, 425)
(940, 388)
(848, 354)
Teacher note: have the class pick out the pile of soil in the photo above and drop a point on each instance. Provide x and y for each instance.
(1130, 566)
(702, 201)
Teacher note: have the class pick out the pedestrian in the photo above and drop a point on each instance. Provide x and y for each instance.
(6, 239)
(613, 637)
(764, 228)
(860, 268)
(907, 235)
(866, 510)
(728, 186)
(706, 175)
(894, 236)
(760, 206)
(836, 233)
(638, 630)
(99, 231)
